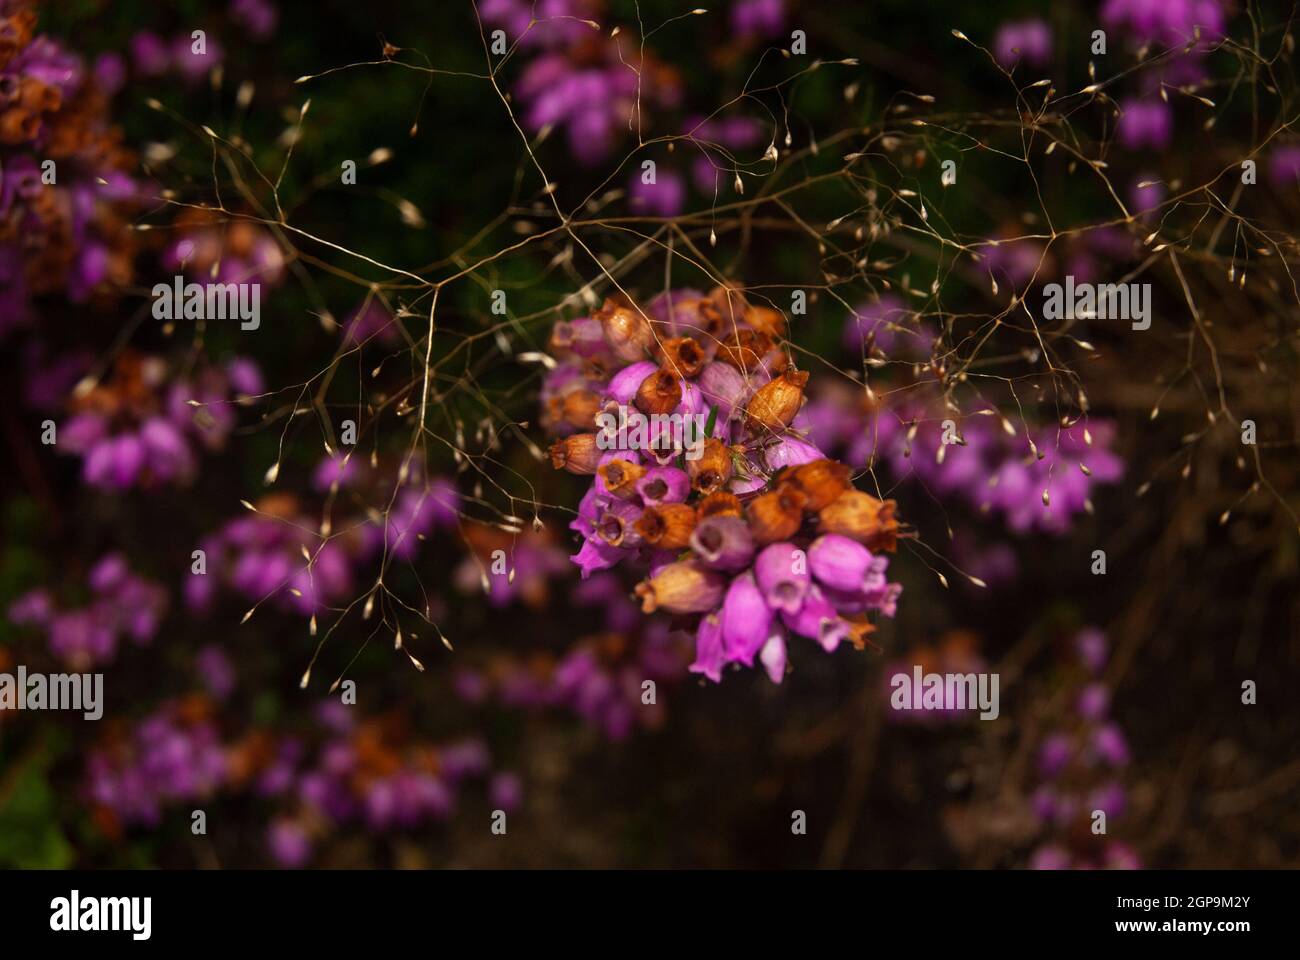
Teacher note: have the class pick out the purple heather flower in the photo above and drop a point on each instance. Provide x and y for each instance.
(818, 619)
(1091, 646)
(843, 564)
(663, 485)
(746, 619)
(1056, 752)
(710, 653)
(1109, 745)
(1023, 41)
(723, 542)
(763, 18)
(1093, 701)
(1284, 166)
(781, 573)
(1145, 124)
(258, 17)
(666, 197)
(288, 842)
(506, 791)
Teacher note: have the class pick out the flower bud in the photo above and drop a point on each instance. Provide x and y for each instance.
(620, 477)
(659, 393)
(781, 572)
(863, 518)
(577, 453)
(776, 515)
(667, 526)
(683, 356)
(775, 404)
(683, 587)
(712, 468)
(626, 330)
(723, 543)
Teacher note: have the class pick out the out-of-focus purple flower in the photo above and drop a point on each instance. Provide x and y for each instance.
(665, 197)
(1284, 166)
(1145, 124)
(1023, 41)
(757, 18)
(288, 842)
(258, 17)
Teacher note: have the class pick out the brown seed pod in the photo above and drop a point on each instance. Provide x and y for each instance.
(660, 393)
(712, 468)
(626, 330)
(863, 518)
(576, 454)
(821, 481)
(720, 504)
(620, 477)
(683, 356)
(775, 404)
(667, 526)
(776, 515)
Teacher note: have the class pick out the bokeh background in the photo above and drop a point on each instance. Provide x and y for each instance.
(1120, 691)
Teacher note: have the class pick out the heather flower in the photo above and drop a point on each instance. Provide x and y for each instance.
(1023, 41)
(1145, 124)
(727, 539)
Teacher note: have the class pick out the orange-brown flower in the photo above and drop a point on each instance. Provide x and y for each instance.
(744, 348)
(864, 518)
(712, 468)
(626, 330)
(776, 515)
(659, 393)
(683, 356)
(577, 453)
(821, 481)
(765, 320)
(667, 526)
(775, 403)
(578, 408)
(620, 477)
(720, 504)
(683, 587)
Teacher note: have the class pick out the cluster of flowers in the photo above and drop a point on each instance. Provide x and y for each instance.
(146, 425)
(171, 756)
(579, 78)
(1036, 480)
(800, 552)
(153, 55)
(280, 552)
(213, 250)
(351, 771)
(601, 676)
(368, 772)
(956, 652)
(66, 191)
(122, 604)
(1079, 764)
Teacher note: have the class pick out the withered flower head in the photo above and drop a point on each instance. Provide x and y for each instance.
(626, 330)
(776, 515)
(821, 481)
(683, 356)
(712, 468)
(667, 526)
(578, 408)
(765, 320)
(775, 403)
(720, 504)
(659, 393)
(744, 348)
(864, 518)
(683, 587)
(577, 453)
(620, 477)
